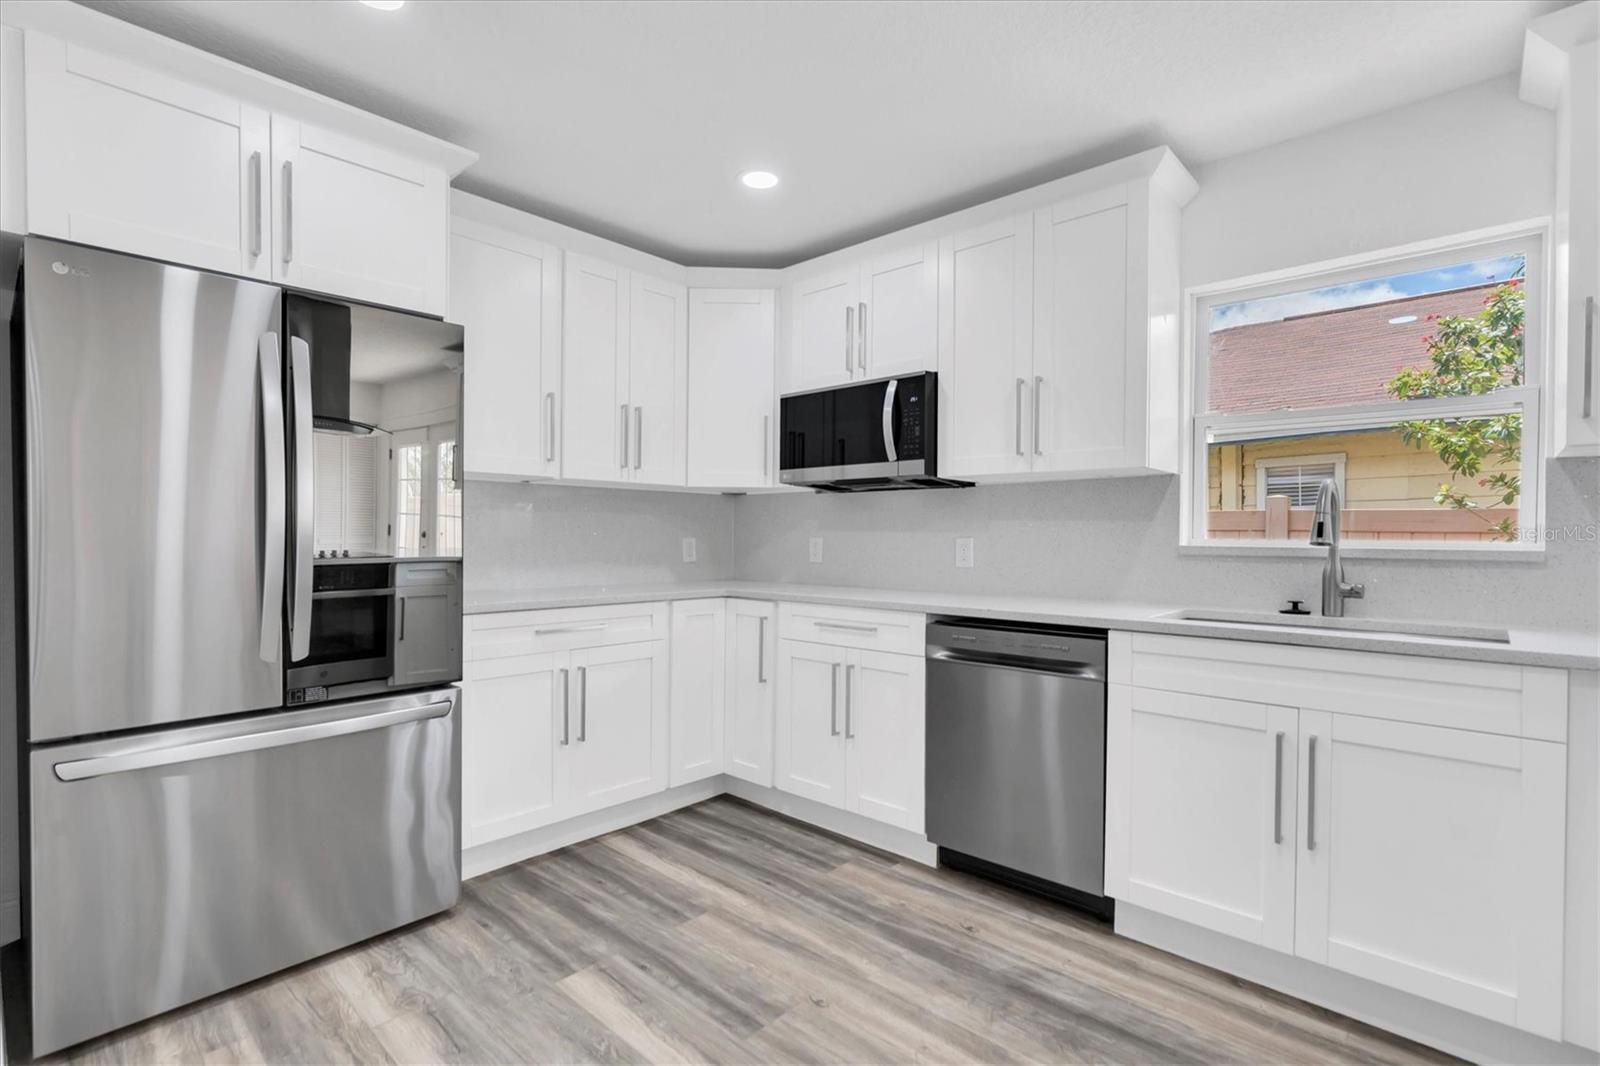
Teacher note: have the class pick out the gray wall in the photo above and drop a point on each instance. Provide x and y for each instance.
(524, 537)
(1117, 539)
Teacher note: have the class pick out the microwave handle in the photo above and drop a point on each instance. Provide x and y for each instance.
(888, 421)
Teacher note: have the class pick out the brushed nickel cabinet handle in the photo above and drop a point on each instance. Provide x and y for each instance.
(761, 650)
(861, 337)
(849, 332)
(1038, 389)
(1588, 356)
(549, 427)
(1277, 789)
(566, 708)
(849, 702)
(1021, 384)
(583, 704)
(624, 463)
(833, 706)
(638, 437)
(288, 211)
(255, 204)
(1311, 794)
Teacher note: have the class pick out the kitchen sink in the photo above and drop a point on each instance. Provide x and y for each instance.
(1445, 630)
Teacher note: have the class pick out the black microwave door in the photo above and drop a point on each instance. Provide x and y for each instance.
(858, 425)
(807, 422)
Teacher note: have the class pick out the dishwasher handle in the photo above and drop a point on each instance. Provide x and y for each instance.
(1088, 671)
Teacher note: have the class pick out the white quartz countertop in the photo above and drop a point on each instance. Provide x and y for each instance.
(1527, 647)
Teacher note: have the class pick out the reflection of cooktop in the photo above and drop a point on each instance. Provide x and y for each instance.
(348, 554)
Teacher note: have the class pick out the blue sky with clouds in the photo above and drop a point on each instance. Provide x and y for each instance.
(1369, 291)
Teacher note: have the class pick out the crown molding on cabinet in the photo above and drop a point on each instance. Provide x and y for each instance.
(125, 41)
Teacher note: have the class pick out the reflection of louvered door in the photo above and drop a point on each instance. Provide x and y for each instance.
(347, 481)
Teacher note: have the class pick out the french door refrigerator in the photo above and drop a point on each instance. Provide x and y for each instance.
(186, 832)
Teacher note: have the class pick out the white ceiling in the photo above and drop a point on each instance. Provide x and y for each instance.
(633, 119)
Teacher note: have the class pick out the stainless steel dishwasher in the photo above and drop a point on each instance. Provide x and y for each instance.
(1016, 769)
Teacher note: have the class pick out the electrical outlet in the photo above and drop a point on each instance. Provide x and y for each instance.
(964, 552)
(688, 549)
(816, 549)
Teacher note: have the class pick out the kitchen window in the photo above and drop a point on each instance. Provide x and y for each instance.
(1411, 379)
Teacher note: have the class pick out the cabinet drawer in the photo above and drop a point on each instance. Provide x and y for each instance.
(854, 627)
(1488, 697)
(515, 633)
(423, 574)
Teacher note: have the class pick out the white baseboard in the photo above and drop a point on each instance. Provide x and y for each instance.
(907, 845)
(498, 853)
(1424, 1021)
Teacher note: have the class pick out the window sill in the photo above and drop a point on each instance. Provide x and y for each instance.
(1504, 553)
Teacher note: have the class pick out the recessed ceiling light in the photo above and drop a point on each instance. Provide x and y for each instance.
(1402, 320)
(385, 5)
(759, 179)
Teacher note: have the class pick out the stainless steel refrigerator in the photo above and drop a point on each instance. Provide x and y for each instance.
(185, 830)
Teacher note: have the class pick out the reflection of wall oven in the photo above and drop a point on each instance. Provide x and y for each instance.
(352, 630)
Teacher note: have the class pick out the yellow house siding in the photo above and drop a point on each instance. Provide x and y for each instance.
(1381, 470)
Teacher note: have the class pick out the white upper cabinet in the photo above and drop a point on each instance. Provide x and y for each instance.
(625, 372)
(227, 170)
(657, 379)
(897, 313)
(505, 289)
(357, 220)
(1561, 71)
(873, 318)
(730, 415)
(122, 157)
(594, 419)
(986, 349)
(822, 329)
(1089, 385)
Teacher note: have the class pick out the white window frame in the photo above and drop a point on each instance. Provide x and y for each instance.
(1531, 239)
(1263, 465)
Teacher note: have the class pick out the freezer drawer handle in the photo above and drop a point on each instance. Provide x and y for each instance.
(101, 766)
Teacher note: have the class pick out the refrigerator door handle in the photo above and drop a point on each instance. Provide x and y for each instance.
(300, 601)
(272, 445)
(103, 765)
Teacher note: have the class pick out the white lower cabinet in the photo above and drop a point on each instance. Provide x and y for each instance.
(850, 730)
(1200, 811)
(1350, 829)
(699, 688)
(564, 713)
(751, 686)
(619, 724)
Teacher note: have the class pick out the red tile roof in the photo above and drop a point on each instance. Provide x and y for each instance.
(1327, 357)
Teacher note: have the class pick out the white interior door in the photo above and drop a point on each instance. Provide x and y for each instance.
(620, 750)
(1200, 811)
(123, 157)
(986, 349)
(1430, 860)
(505, 289)
(357, 220)
(752, 679)
(1081, 369)
(822, 339)
(884, 728)
(514, 739)
(658, 343)
(730, 396)
(810, 748)
(699, 689)
(426, 517)
(594, 410)
(899, 316)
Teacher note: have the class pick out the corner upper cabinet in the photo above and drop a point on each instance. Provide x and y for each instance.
(730, 430)
(357, 220)
(505, 289)
(657, 379)
(125, 156)
(594, 417)
(131, 159)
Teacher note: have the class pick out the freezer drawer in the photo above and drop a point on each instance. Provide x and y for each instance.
(176, 864)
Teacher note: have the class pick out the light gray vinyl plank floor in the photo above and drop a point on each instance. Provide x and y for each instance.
(723, 933)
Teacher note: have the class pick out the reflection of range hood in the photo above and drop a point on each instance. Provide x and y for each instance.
(326, 328)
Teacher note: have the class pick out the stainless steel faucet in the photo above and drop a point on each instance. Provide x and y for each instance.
(1325, 533)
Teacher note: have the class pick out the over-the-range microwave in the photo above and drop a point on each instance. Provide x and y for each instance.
(867, 436)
